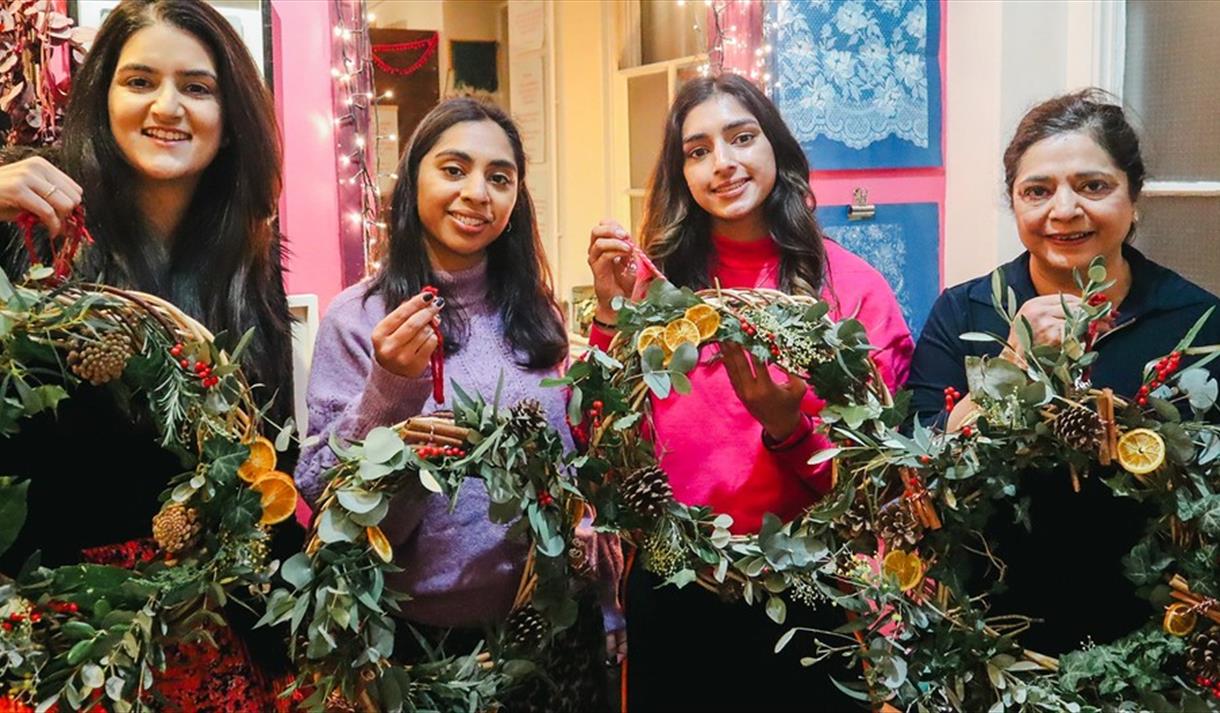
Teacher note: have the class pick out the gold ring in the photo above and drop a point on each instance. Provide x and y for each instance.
(51, 192)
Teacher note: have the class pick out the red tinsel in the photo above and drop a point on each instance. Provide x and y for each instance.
(428, 46)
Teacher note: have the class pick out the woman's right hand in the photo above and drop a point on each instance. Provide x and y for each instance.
(403, 341)
(613, 265)
(34, 185)
(1046, 319)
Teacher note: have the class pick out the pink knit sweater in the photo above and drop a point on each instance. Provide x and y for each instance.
(708, 443)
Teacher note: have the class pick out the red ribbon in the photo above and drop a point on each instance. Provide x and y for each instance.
(63, 247)
(437, 359)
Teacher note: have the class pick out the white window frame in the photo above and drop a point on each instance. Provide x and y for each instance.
(1109, 19)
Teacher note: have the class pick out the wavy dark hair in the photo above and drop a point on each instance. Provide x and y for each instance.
(519, 280)
(223, 265)
(677, 232)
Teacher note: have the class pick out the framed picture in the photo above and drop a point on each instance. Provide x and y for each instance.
(251, 19)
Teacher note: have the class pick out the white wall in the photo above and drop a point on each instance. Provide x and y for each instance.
(1003, 57)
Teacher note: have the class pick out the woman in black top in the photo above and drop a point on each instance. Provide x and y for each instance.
(1074, 173)
(171, 146)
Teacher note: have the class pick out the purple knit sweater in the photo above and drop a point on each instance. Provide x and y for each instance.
(459, 567)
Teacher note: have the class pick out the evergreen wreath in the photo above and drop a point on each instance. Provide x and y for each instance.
(79, 635)
(341, 613)
(892, 544)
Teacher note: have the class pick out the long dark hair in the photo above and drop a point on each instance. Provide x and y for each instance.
(519, 280)
(1093, 111)
(677, 232)
(223, 265)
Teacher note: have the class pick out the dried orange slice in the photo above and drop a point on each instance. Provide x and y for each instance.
(906, 567)
(706, 318)
(379, 543)
(278, 496)
(261, 460)
(679, 332)
(1141, 451)
(647, 337)
(1179, 619)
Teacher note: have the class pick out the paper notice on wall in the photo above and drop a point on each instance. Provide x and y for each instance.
(540, 191)
(387, 149)
(526, 25)
(527, 101)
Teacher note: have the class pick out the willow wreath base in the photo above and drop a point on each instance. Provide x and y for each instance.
(76, 635)
(341, 612)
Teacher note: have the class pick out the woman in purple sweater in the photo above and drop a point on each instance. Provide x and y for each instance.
(463, 221)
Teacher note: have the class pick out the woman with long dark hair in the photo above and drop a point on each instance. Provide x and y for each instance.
(171, 147)
(462, 222)
(730, 203)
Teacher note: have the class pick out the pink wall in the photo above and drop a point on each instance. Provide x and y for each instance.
(302, 41)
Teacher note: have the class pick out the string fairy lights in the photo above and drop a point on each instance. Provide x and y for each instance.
(354, 95)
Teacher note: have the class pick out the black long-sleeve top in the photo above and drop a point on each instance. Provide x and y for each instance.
(1066, 569)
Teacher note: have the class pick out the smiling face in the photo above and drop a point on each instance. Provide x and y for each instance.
(729, 165)
(467, 188)
(1072, 204)
(164, 104)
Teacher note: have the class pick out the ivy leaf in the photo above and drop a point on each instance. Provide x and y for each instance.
(13, 510)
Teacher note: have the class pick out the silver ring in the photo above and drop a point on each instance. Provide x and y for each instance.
(50, 193)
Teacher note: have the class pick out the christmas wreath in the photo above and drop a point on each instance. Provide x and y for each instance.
(341, 612)
(892, 543)
(656, 346)
(75, 635)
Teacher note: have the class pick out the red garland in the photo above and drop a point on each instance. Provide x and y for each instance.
(63, 247)
(427, 45)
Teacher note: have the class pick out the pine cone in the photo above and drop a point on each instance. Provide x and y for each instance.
(101, 360)
(647, 491)
(661, 556)
(527, 417)
(896, 524)
(1080, 428)
(176, 527)
(526, 629)
(1203, 654)
(856, 521)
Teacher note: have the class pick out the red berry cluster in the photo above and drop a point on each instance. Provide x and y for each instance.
(1211, 685)
(952, 396)
(1164, 368)
(593, 418)
(201, 369)
(428, 452)
(545, 499)
(9, 704)
(752, 331)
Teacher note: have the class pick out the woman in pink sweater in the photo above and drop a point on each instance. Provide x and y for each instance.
(730, 202)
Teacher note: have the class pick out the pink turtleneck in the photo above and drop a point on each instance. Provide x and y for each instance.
(707, 442)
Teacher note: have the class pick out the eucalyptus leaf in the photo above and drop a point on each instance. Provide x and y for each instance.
(382, 445)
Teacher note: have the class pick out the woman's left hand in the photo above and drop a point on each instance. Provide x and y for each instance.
(776, 406)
